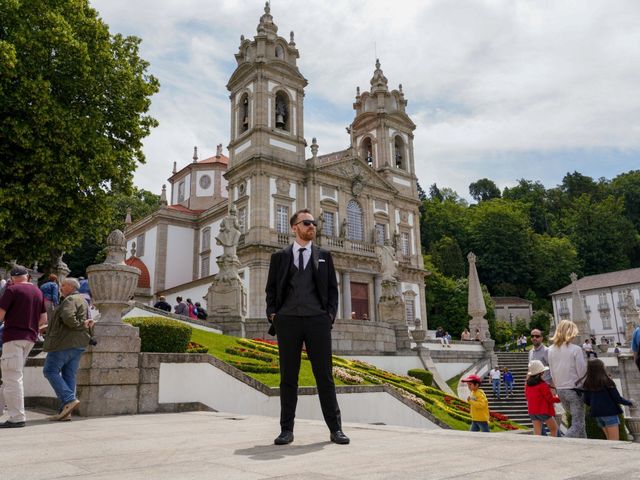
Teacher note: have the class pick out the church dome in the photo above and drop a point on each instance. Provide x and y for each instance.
(144, 280)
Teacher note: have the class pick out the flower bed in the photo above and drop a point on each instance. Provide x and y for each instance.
(261, 357)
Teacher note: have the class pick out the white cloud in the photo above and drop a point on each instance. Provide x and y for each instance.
(489, 82)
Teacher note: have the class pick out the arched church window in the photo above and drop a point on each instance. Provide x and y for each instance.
(244, 113)
(282, 111)
(279, 52)
(367, 151)
(398, 153)
(355, 221)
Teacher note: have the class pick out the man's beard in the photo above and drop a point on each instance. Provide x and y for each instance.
(308, 235)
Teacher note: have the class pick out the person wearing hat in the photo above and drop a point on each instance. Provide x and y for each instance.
(540, 400)
(23, 311)
(479, 404)
(162, 304)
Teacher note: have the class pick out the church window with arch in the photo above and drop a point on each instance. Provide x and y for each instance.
(399, 153)
(367, 151)
(355, 221)
(206, 239)
(282, 111)
(244, 113)
(279, 52)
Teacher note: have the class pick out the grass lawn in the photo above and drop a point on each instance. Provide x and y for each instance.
(219, 343)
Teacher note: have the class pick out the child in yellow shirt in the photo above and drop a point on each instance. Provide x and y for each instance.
(479, 404)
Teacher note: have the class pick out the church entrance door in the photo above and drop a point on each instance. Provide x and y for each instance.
(360, 299)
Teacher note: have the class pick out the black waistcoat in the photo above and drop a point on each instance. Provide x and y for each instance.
(302, 297)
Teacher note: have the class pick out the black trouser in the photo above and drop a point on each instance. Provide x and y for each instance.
(315, 333)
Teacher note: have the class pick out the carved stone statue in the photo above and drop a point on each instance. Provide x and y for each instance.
(388, 262)
(320, 221)
(229, 233)
(343, 228)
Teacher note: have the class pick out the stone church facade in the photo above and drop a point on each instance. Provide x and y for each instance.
(364, 196)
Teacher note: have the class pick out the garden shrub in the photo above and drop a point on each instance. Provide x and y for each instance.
(161, 335)
(425, 375)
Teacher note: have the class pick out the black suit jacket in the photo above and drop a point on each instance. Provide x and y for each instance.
(324, 275)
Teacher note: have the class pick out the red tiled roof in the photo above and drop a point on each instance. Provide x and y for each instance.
(144, 281)
(183, 209)
(221, 159)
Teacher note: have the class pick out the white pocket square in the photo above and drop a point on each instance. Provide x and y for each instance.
(321, 260)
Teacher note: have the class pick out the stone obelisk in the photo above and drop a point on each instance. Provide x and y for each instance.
(476, 307)
(578, 315)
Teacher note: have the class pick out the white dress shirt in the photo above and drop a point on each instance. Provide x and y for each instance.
(306, 254)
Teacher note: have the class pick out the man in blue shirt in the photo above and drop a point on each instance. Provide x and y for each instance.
(635, 345)
(51, 292)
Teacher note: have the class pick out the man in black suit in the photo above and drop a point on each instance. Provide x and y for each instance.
(302, 300)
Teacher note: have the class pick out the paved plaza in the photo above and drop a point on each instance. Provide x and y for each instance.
(208, 445)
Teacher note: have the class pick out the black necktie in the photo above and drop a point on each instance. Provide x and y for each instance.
(301, 259)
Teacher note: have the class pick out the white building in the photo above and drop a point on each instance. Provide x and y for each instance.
(603, 297)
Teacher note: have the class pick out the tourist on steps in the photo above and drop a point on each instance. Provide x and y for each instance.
(495, 381)
(507, 376)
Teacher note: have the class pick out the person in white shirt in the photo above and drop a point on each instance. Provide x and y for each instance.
(588, 349)
(568, 368)
(495, 381)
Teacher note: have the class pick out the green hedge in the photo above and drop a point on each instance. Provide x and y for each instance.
(161, 335)
(425, 375)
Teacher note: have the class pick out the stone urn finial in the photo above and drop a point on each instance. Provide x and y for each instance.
(116, 248)
(113, 282)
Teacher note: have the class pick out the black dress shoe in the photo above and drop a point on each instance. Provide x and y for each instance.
(339, 437)
(9, 424)
(284, 438)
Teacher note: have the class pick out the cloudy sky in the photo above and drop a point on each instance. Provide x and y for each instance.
(504, 89)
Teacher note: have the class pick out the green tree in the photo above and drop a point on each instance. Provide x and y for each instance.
(502, 332)
(73, 103)
(553, 259)
(90, 251)
(604, 238)
(627, 186)
(483, 190)
(447, 257)
(533, 196)
(447, 302)
(500, 236)
(443, 218)
(541, 319)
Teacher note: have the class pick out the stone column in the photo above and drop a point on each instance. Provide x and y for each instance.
(346, 295)
(109, 372)
(377, 294)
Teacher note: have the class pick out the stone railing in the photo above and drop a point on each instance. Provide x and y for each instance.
(363, 247)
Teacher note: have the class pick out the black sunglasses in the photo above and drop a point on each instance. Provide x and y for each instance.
(307, 223)
(536, 336)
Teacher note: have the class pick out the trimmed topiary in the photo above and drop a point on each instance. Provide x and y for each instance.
(425, 375)
(161, 335)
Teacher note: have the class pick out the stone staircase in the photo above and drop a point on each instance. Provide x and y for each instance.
(514, 407)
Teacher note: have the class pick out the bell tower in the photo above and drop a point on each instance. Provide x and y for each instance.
(267, 98)
(382, 133)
